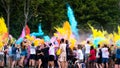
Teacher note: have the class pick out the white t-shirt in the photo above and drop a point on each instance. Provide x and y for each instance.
(98, 49)
(105, 53)
(1, 53)
(32, 50)
(87, 49)
(80, 54)
(52, 50)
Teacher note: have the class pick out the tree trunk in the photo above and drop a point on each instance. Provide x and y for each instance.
(26, 19)
(6, 6)
(26, 11)
(8, 18)
(8, 21)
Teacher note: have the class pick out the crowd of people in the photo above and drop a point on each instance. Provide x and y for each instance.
(45, 55)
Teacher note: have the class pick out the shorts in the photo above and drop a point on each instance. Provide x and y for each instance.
(92, 61)
(10, 55)
(73, 60)
(104, 60)
(113, 57)
(1, 58)
(117, 61)
(87, 56)
(51, 57)
(62, 58)
(18, 57)
(24, 53)
(39, 57)
(32, 56)
(79, 61)
(99, 60)
(14, 57)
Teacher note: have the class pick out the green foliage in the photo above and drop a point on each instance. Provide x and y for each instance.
(51, 13)
(104, 13)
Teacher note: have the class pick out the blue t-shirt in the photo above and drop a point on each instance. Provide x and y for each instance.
(118, 53)
(14, 50)
(24, 52)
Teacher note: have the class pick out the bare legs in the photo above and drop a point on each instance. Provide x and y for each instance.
(39, 63)
(22, 61)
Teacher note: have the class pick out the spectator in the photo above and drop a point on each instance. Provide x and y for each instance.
(87, 51)
(99, 57)
(51, 56)
(62, 57)
(92, 57)
(117, 56)
(45, 51)
(32, 55)
(2, 57)
(39, 54)
(14, 50)
(105, 56)
(80, 56)
(10, 55)
(23, 54)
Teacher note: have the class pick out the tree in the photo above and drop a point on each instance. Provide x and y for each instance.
(26, 10)
(104, 13)
(52, 13)
(6, 5)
